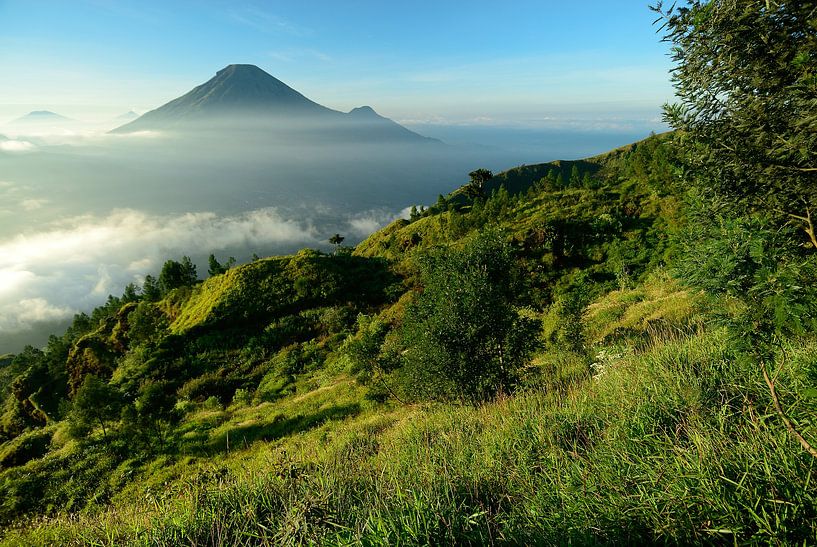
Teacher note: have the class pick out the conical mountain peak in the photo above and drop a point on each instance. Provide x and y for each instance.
(235, 91)
(243, 96)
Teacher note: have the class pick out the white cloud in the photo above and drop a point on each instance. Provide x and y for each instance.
(16, 146)
(23, 314)
(33, 204)
(364, 224)
(73, 265)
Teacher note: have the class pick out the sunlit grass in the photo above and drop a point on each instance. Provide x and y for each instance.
(673, 442)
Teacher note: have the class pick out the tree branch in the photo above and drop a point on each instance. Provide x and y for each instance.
(789, 426)
(809, 228)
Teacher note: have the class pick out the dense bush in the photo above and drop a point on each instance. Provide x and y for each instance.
(464, 339)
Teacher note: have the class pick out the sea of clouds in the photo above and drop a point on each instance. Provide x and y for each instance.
(73, 264)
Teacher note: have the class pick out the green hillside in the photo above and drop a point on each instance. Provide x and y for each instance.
(245, 406)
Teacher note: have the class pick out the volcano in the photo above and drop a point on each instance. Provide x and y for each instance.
(242, 98)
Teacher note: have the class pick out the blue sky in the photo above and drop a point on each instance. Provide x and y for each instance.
(526, 63)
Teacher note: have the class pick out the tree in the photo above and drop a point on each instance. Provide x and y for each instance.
(150, 289)
(747, 116)
(747, 137)
(95, 403)
(177, 274)
(575, 176)
(146, 324)
(476, 186)
(130, 294)
(336, 240)
(464, 339)
(155, 406)
(214, 267)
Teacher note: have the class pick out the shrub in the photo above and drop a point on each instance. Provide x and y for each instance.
(464, 339)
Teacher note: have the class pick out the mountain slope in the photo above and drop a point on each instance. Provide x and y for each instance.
(244, 97)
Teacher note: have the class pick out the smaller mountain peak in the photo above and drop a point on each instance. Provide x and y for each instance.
(43, 114)
(363, 111)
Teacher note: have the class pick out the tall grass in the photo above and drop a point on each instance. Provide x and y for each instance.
(676, 443)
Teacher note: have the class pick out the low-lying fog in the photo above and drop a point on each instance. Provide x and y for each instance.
(83, 213)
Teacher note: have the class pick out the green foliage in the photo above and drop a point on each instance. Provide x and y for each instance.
(746, 84)
(751, 259)
(177, 274)
(96, 403)
(146, 324)
(214, 267)
(538, 468)
(747, 116)
(26, 447)
(151, 290)
(476, 186)
(464, 339)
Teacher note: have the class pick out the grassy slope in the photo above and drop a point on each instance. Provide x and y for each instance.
(656, 445)
(664, 437)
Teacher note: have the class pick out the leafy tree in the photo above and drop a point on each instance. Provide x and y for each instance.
(464, 339)
(370, 358)
(745, 79)
(155, 406)
(476, 186)
(177, 274)
(747, 121)
(130, 294)
(441, 205)
(150, 289)
(216, 268)
(146, 323)
(95, 403)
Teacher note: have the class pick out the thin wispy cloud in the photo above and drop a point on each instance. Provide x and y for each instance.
(293, 55)
(267, 22)
(33, 204)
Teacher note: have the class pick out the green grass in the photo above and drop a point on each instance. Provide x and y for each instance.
(674, 442)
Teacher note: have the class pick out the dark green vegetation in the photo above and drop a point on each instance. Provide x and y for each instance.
(614, 350)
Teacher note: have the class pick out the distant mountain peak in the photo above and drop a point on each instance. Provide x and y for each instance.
(364, 111)
(242, 96)
(41, 115)
(237, 89)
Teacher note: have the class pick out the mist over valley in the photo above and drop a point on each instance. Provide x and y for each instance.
(241, 165)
